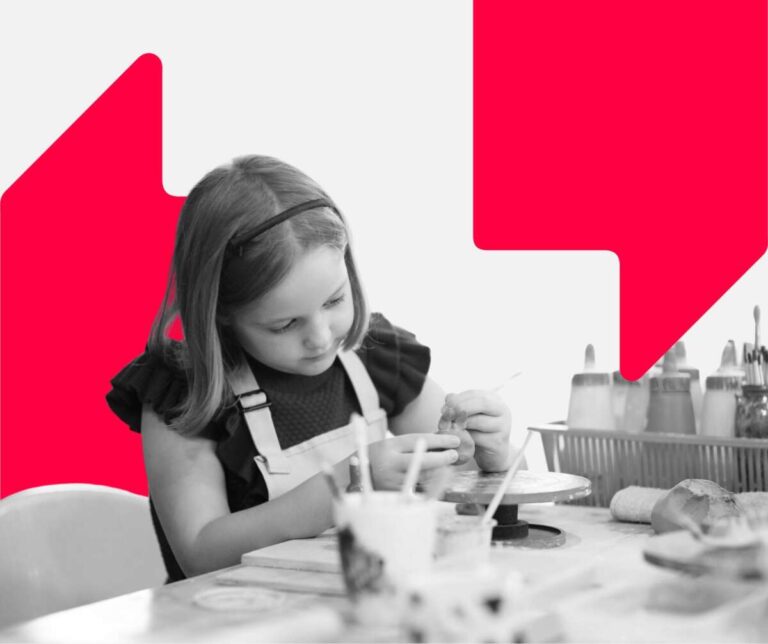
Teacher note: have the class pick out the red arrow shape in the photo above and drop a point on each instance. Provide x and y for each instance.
(85, 233)
(635, 127)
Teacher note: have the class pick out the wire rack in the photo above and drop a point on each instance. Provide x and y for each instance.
(614, 460)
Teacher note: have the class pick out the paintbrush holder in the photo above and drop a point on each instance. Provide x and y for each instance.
(752, 412)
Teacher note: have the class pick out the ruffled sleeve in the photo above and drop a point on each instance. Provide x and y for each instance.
(156, 380)
(397, 363)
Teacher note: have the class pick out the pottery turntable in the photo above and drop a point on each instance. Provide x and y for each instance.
(474, 490)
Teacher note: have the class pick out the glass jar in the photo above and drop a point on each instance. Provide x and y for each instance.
(752, 412)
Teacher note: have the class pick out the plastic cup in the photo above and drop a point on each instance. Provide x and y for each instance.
(463, 537)
(383, 540)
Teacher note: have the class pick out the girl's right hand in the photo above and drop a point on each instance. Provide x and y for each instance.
(391, 457)
(453, 422)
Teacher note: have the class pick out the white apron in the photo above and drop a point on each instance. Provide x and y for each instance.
(284, 470)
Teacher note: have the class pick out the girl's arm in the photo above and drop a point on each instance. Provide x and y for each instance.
(422, 414)
(187, 484)
(186, 481)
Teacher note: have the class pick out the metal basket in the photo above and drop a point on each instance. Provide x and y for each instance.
(614, 460)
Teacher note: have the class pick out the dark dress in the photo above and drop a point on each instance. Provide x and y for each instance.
(302, 406)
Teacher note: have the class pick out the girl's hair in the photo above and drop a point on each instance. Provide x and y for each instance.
(208, 282)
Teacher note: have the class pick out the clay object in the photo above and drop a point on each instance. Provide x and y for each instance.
(634, 504)
(453, 422)
(702, 501)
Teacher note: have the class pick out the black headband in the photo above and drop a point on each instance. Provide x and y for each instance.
(280, 218)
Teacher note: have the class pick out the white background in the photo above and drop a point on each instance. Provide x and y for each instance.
(373, 100)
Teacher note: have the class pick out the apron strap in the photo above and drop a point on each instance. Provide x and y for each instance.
(364, 388)
(254, 406)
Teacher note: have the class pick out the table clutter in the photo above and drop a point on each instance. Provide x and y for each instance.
(662, 428)
(669, 398)
(475, 492)
(599, 586)
(652, 526)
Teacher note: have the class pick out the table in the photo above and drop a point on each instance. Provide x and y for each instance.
(614, 596)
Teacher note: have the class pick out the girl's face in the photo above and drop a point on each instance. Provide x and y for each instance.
(298, 326)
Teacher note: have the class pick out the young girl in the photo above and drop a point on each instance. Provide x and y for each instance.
(279, 350)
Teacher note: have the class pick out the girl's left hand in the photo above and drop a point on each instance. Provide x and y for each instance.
(489, 421)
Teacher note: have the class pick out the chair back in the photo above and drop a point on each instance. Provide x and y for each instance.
(62, 546)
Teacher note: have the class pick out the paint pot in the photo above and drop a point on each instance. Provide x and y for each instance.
(752, 412)
(464, 538)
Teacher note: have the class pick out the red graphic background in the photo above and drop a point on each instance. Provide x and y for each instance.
(635, 127)
(87, 234)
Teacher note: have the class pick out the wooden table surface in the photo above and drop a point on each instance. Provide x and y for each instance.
(613, 596)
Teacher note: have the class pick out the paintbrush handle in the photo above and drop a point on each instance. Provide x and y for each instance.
(414, 467)
(330, 479)
(756, 314)
(359, 429)
(494, 504)
(501, 386)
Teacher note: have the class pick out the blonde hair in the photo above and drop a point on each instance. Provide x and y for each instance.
(208, 282)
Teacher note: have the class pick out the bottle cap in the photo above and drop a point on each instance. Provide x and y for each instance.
(728, 359)
(692, 372)
(590, 376)
(670, 379)
(723, 382)
(680, 354)
(728, 376)
(595, 378)
(618, 379)
(682, 361)
(589, 358)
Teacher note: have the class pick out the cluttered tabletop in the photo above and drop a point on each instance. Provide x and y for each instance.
(650, 525)
(598, 585)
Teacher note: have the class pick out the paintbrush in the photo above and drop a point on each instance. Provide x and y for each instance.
(492, 507)
(359, 429)
(329, 477)
(438, 484)
(503, 384)
(413, 468)
(756, 351)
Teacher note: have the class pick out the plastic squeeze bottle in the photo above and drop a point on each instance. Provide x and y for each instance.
(697, 396)
(589, 406)
(636, 406)
(718, 415)
(670, 409)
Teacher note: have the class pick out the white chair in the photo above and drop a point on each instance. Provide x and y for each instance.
(62, 546)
